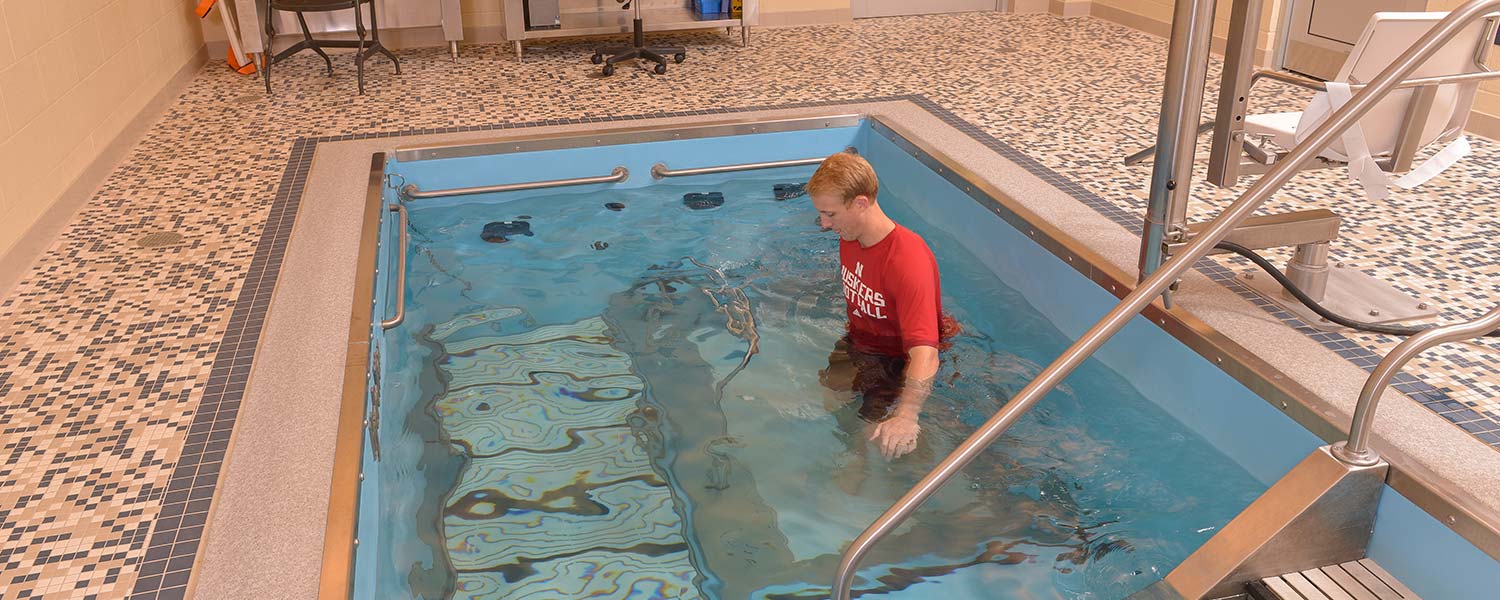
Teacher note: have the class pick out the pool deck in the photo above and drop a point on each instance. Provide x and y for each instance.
(111, 354)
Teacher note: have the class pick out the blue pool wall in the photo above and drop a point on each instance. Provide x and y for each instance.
(1435, 562)
(1419, 550)
(366, 564)
(569, 163)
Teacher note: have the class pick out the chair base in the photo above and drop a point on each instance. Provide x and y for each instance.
(365, 48)
(639, 50)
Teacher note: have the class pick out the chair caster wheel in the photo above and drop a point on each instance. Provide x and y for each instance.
(596, 59)
(609, 70)
(679, 57)
(661, 69)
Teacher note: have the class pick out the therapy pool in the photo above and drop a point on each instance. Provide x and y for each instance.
(613, 392)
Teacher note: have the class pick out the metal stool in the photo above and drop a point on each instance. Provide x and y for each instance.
(362, 51)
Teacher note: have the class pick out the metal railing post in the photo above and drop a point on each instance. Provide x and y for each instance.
(1357, 451)
(1177, 129)
(1091, 340)
(400, 271)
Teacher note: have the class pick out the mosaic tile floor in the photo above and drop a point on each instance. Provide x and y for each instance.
(106, 349)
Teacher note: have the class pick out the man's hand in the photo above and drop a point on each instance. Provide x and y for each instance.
(896, 436)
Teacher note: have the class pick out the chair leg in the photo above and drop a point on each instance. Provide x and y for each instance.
(267, 53)
(359, 50)
(375, 37)
(312, 43)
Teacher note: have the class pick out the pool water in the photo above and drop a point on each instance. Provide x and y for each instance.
(625, 404)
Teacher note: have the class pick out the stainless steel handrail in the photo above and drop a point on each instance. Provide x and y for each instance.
(659, 170)
(1322, 86)
(1356, 451)
(1315, 85)
(412, 192)
(400, 274)
(1339, 121)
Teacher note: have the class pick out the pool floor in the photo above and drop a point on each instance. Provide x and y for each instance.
(630, 396)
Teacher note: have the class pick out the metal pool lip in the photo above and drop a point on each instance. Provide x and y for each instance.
(629, 135)
(1434, 495)
(339, 542)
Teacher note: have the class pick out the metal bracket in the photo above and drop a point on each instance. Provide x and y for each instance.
(1274, 231)
(1350, 293)
(1321, 512)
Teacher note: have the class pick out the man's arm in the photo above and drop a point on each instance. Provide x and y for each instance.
(897, 435)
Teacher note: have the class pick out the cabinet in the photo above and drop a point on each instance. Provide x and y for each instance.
(598, 17)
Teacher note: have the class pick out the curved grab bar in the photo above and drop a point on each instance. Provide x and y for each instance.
(411, 191)
(1145, 293)
(660, 170)
(1356, 451)
(400, 274)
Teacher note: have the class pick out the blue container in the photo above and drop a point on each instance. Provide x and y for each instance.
(711, 9)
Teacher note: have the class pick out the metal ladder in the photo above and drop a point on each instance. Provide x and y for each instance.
(1156, 284)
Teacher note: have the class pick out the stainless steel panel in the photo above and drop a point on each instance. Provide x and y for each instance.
(543, 14)
(1321, 511)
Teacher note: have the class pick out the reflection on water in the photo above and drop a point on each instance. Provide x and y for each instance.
(642, 418)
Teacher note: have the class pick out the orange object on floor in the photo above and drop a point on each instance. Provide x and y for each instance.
(245, 69)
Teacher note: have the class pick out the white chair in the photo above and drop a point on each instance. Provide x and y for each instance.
(1403, 122)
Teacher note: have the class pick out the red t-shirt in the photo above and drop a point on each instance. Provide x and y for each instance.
(892, 292)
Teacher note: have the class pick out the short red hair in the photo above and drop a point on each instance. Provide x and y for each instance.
(844, 175)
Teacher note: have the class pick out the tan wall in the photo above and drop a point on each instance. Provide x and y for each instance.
(482, 14)
(73, 73)
(1487, 102)
(1155, 16)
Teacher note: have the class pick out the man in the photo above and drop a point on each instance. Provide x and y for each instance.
(892, 292)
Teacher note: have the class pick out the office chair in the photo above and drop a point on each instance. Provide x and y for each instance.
(656, 54)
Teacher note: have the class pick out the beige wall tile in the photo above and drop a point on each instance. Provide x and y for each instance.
(88, 68)
(59, 71)
(55, 18)
(124, 111)
(7, 56)
(27, 31)
(25, 97)
(5, 127)
(72, 165)
(118, 77)
(21, 159)
(137, 18)
(83, 39)
(799, 5)
(108, 23)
